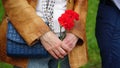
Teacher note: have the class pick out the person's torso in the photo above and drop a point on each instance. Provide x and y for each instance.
(58, 8)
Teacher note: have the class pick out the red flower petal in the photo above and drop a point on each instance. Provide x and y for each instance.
(67, 19)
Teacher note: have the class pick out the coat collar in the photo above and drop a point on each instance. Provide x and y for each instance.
(70, 3)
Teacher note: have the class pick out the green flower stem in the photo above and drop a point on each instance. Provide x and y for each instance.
(60, 33)
(62, 36)
(60, 39)
(59, 64)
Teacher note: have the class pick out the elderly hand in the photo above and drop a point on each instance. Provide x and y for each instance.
(69, 42)
(53, 45)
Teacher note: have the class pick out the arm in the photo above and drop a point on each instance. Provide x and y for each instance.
(79, 30)
(77, 34)
(25, 20)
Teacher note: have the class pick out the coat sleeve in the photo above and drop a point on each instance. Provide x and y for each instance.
(80, 6)
(24, 18)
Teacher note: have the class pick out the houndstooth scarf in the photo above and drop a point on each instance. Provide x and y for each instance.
(47, 8)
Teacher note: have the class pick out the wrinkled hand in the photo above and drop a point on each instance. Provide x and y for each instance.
(53, 45)
(69, 42)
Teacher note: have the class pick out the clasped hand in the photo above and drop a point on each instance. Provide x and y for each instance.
(56, 47)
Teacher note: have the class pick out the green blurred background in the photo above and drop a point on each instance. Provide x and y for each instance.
(93, 50)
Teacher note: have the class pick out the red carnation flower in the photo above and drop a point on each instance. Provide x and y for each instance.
(67, 19)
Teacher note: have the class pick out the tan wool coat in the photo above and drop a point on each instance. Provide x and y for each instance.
(23, 16)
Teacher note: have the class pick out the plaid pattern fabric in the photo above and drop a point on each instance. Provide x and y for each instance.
(47, 6)
(17, 47)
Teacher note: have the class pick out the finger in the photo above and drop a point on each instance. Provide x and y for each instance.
(58, 53)
(53, 54)
(62, 51)
(49, 49)
(65, 47)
